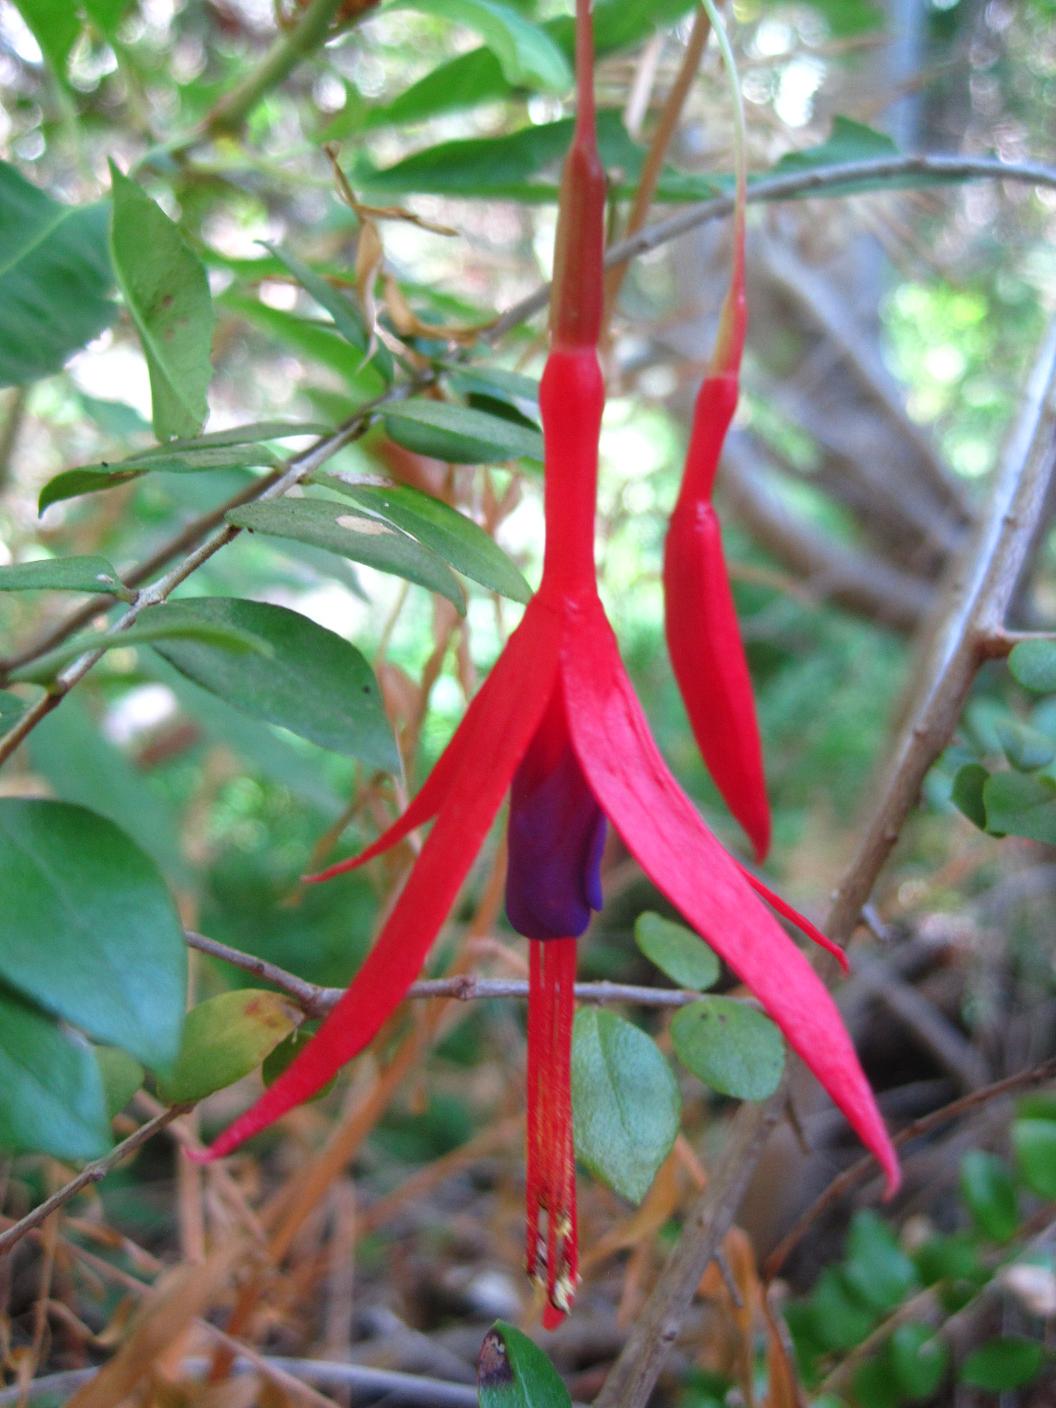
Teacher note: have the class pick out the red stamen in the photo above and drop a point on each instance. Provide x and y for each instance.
(551, 1167)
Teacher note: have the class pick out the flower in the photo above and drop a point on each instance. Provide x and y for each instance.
(558, 721)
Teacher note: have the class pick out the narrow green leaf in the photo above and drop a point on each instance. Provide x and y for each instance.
(457, 539)
(676, 951)
(64, 574)
(527, 54)
(323, 523)
(729, 1046)
(317, 341)
(167, 621)
(1000, 1364)
(1033, 663)
(346, 316)
(1034, 1141)
(53, 1093)
(458, 434)
(224, 1038)
(513, 1372)
(625, 1100)
(1021, 805)
(518, 390)
(989, 1191)
(315, 684)
(122, 1076)
(1026, 748)
(967, 793)
(75, 888)
(54, 278)
(167, 293)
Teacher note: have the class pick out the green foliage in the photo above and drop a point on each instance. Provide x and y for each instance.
(989, 1190)
(677, 951)
(1001, 1364)
(54, 277)
(528, 56)
(459, 434)
(625, 1102)
(513, 1372)
(730, 1046)
(64, 574)
(224, 1038)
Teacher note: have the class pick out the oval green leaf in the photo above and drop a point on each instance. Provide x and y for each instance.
(1000, 1364)
(323, 523)
(729, 1046)
(1033, 663)
(457, 539)
(53, 1092)
(625, 1101)
(527, 55)
(224, 1038)
(1034, 1141)
(76, 889)
(967, 793)
(989, 1191)
(919, 1360)
(167, 293)
(513, 1372)
(676, 951)
(1021, 805)
(315, 683)
(1026, 748)
(122, 1077)
(458, 434)
(54, 278)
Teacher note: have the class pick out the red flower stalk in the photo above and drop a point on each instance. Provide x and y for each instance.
(703, 638)
(558, 722)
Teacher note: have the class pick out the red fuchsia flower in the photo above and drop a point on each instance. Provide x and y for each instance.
(558, 724)
(703, 638)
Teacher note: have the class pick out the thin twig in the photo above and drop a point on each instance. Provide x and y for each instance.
(1022, 1080)
(820, 181)
(464, 987)
(981, 593)
(91, 1173)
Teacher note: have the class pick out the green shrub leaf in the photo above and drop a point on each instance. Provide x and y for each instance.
(224, 1038)
(1009, 1362)
(729, 1046)
(459, 434)
(513, 1372)
(1033, 663)
(989, 1191)
(677, 951)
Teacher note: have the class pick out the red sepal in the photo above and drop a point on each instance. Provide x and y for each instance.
(662, 830)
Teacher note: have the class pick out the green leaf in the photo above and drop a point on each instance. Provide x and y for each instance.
(1034, 1141)
(54, 278)
(315, 683)
(326, 524)
(729, 1046)
(626, 1102)
(1033, 663)
(106, 14)
(676, 951)
(967, 793)
(53, 1093)
(56, 26)
(224, 1038)
(839, 1317)
(167, 621)
(346, 316)
(517, 390)
(918, 1360)
(513, 1372)
(88, 930)
(11, 709)
(989, 1192)
(167, 293)
(1026, 748)
(528, 56)
(284, 1055)
(64, 574)
(848, 141)
(458, 434)
(876, 1266)
(874, 1386)
(1009, 1362)
(122, 1076)
(1018, 805)
(316, 341)
(457, 539)
(238, 448)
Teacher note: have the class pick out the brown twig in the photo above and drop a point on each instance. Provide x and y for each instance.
(91, 1173)
(842, 1184)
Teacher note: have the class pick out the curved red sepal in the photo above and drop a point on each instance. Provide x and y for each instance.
(662, 830)
(507, 676)
(473, 798)
(802, 923)
(707, 656)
